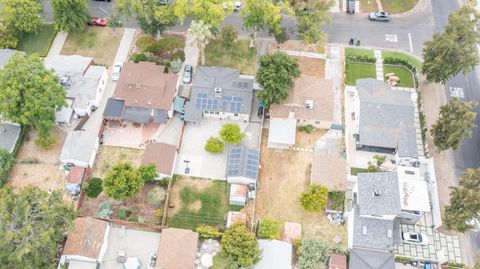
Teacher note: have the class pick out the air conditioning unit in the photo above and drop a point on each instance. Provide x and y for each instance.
(218, 90)
(309, 104)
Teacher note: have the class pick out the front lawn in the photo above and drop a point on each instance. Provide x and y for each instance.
(109, 156)
(357, 52)
(100, 43)
(412, 60)
(238, 56)
(354, 71)
(398, 6)
(198, 202)
(406, 77)
(368, 6)
(37, 43)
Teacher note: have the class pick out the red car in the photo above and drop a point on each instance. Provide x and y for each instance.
(96, 21)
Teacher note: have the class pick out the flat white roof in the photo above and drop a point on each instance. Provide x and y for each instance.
(414, 195)
(275, 254)
(282, 131)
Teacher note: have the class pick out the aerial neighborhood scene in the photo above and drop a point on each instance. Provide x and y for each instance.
(253, 134)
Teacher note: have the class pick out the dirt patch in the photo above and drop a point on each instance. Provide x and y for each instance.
(108, 156)
(280, 187)
(34, 166)
(306, 140)
(311, 67)
(297, 46)
(195, 206)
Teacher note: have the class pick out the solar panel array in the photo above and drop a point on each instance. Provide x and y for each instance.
(229, 103)
(251, 166)
(234, 160)
(243, 163)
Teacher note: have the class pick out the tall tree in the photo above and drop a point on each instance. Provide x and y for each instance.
(122, 181)
(33, 224)
(260, 14)
(70, 15)
(7, 37)
(275, 75)
(455, 50)
(464, 202)
(211, 12)
(30, 93)
(24, 16)
(201, 33)
(311, 17)
(241, 245)
(454, 124)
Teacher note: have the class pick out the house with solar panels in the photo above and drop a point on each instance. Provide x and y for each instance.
(219, 93)
(242, 165)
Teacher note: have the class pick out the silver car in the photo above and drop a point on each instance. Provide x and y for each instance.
(379, 16)
(187, 74)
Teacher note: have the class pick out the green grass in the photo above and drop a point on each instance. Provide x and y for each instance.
(355, 170)
(354, 71)
(368, 6)
(358, 52)
(239, 56)
(222, 262)
(37, 43)
(406, 77)
(398, 6)
(412, 60)
(213, 210)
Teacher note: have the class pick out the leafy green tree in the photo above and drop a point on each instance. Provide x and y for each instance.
(33, 226)
(202, 33)
(70, 15)
(455, 50)
(259, 14)
(148, 172)
(229, 36)
(30, 93)
(211, 12)
(6, 163)
(214, 145)
(464, 202)
(377, 164)
(93, 187)
(122, 181)
(454, 124)
(241, 245)
(314, 198)
(231, 133)
(311, 17)
(24, 16)
(269, 229)
(313, 252)
(7, 38)
(275, 75)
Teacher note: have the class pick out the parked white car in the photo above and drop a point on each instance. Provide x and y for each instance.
(415, 238)
(116, 71)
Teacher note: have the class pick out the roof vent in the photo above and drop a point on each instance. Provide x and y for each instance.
(364, 230)
(377, 192)
(309, 104)
(218, 90)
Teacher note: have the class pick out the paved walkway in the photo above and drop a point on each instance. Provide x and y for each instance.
(378, 64)
(191, 51)
(124, 47)
(334, 71)
(57, 45)
(379, 5)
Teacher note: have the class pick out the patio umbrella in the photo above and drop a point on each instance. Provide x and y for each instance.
(132, 263)
(207, 260)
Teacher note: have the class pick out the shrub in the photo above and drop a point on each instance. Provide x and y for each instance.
(148, 172)
(159, 213)
(122, 181)
(337, 198)
(314, 198)
(281, 37)
(124, 213)
(133, 219)
(313, 252)
(242, 245)
(6, 164)
(229, 36)
(45, 142)
(178, 55)
(207, 232)
(308, 128)
(399, 61)
(231, 133)
(156, 196)
(176, 65)
(269, 229)
(104, 210)
(146, 43)
(94, 187)
(214, 145)
(164, 182)
(362, 59)
(138, 57)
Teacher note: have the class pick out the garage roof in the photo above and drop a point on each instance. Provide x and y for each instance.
(282, 131)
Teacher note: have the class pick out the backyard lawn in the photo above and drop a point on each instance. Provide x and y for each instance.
(412, 60)
(368, 6)
(398, 6)
(39, 42)
(406, 77)
(108, 156)
(100, 43)
(198, 202)
(356, 170)
(354, 71)
(358, 52)
(239, 56)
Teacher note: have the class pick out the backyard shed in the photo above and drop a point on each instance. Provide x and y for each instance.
(238, 194)
(177, 249)
(163, 156)
(235, 216)
(281, 134)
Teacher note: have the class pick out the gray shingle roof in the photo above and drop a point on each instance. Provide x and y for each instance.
(160, 116)
(375, 233)
(220, 89)
(137, 114)
(79, 145)
(387, 117)
(114, 108)
(9, 134)
(243, 162)
(192, 114)
(366, 259)
(5, 55)
(282, 131)
(388, 200)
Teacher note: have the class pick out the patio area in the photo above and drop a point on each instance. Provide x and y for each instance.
(130, 135)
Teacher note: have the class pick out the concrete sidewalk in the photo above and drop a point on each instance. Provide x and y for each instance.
(57, 45)
(124, 47)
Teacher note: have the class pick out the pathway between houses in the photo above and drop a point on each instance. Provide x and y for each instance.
(57, 45)
(378, 64)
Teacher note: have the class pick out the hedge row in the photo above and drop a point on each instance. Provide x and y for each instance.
(361, 59)
(7, 159)
(399, 61)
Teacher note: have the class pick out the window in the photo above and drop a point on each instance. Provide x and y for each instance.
(317, 122)
(216, 112)
(236, 114)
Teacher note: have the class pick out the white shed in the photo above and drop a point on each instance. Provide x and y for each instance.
(281, 134)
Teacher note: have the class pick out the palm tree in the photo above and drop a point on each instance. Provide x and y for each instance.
(201, 33)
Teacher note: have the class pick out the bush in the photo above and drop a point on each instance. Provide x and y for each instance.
(146, 44)
(308, 128)
(138, 57)
(314, 198)
(148, 172)
(6, 164)
(45, 142)
(312, 252)
(94, 187)
(399, 61)
(156, 196)
(124, 213)
(269, 229)
(229, 36)
(159, 213)
(176, 65)
(337, 198)
(104, 210)
(231, 133)
(362, 59)
(207, 232)
(214, 145)
(281, 37)
(242, 245)
(164, 182)
(178, 55)
(133, 219)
